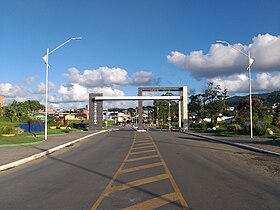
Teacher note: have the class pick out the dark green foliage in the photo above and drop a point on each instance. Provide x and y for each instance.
(257, 130)
(234, 128)
(10, 130)
(260, 110)
(209, 104)
(198, 125)
(276, 117)
(21, 111)
(163, 109)
(210, 125)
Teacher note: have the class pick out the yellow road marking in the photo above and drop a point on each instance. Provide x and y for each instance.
(144, 147)
(142, 144)
(142, 152)
(104, 193)
(142, 158)
(175, 186)
(155, 202)
(136, 139)
(152, 203)
(143, 141)
(141, 167)
(138, 183)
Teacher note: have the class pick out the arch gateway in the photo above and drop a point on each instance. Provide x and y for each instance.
(96, 104)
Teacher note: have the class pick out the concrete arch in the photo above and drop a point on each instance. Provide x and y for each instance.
(96, 104)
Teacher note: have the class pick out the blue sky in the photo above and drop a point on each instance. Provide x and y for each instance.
(126, 44)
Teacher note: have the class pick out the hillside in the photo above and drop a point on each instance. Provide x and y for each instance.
(271, 98)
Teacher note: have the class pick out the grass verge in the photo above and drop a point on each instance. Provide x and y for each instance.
(27, 138)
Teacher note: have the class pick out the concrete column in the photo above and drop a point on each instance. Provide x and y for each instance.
(140, 111)
(185, 108)
(180, 114)
(95, 112)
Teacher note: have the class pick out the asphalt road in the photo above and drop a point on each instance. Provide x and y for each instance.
(125, 169)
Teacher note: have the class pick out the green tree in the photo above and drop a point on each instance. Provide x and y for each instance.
(22, 110)
(163, 106)
(214, 101)
(31, 106)
(10, 112)
(260, 110)
(195, 106)
(276, 117)
(2, 111)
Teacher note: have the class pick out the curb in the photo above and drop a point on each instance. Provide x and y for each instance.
(47, 152)
(243, 146)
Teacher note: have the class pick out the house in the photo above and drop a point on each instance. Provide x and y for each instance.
(50, 111)
(2, 100)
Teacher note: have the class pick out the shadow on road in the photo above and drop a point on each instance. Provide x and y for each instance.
(189, 145)
(110, 178)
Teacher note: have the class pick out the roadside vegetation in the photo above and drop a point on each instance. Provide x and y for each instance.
(210, 112)
(17, 113)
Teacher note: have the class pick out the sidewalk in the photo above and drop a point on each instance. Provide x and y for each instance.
(10, 154)
(257, 142)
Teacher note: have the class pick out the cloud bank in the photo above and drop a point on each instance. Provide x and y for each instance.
(226, 66)
(78, 86)
(107, 77)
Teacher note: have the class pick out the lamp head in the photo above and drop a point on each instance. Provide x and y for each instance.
(77, 38)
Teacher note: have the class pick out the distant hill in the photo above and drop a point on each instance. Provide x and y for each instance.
(271, 98)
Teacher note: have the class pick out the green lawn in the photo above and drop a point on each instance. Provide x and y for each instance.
(7, 123)
(30, 137)
(20, 139)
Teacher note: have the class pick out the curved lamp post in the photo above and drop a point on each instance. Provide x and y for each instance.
(157, 116)
(250, 62)
(46, 59)
(169, 117)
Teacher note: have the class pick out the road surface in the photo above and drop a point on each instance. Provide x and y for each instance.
(131, 170)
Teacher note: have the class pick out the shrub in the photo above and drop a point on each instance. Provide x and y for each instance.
(221, 125)
(257, 130)
(175, 124)
(164, 125)
(198, 125)
(234, 128)
(5, 119)
(19, 131)
(210, 125)
(7, 130)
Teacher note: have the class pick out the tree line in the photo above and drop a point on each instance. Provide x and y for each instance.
(213, 103)
(17, 111)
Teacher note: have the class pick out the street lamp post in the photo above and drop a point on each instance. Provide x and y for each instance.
(46, 59)
(250, 62)
(157, 116)
(169, 117)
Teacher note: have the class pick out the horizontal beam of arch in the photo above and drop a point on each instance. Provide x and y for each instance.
(126, 98)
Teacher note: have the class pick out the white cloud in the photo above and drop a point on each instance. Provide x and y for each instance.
(144, 78)
(268, 81)
(29, 80)
(76, 93)
(233, 83)
(223, 60)
(266, 52)
(239, 83)
(105, 77)
(102, 76)
(107, 91)
(8, 90)
(41, 88)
